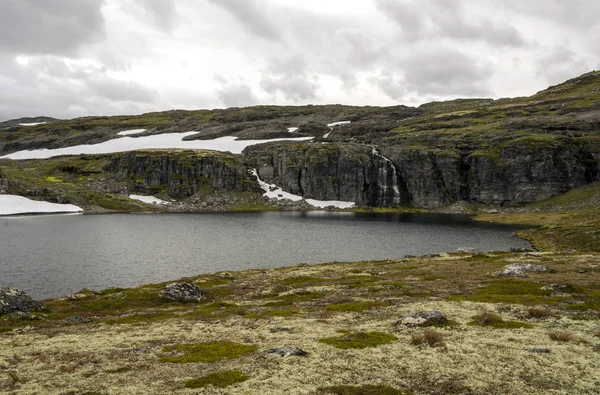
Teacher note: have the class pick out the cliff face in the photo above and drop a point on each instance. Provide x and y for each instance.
(182, 173)
(520, 171)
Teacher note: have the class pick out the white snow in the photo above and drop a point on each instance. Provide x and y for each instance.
(333, 125)
(148, 199)
(327, 203)
(130, 132)
(32, 124)
(272, 191)
(11, 205)
(292, 130)
(164, 141)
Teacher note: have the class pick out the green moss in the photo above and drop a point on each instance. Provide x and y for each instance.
(219, 379)
(209, 352)
(359, 340)
(274, 313)
(303, 281)
(355, 306)
(362, 390)
(510, 291)
(298, 297)
(495, 321)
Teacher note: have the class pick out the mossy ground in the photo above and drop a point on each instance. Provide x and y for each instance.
(218, 379)
(242, 308)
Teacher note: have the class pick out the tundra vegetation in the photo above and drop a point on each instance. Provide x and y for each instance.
(536, 334)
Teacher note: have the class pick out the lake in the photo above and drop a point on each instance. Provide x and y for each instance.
(54, 255)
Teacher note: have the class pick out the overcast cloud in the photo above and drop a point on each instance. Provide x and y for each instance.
(69, 58)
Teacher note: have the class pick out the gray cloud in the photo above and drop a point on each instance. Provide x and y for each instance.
(446, 72)
(290, 78)
(251, 14)
(390, 84)
(237, 95)
(49, 86)
(49, 26)
(445, 19)
(162, 13)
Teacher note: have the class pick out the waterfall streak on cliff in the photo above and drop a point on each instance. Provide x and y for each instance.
(383, 177)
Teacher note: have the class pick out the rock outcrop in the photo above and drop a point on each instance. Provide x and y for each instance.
(183, 292)
(13, 300)
(423, 318)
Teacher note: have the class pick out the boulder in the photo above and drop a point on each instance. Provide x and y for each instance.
(521, 270)
(182, 292)
(423, 318)
(287, 351)
(13, 300)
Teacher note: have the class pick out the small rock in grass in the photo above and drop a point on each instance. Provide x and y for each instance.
(14, 300)
(182, 292)
(558, 288)
(423, 318)
(139, 350)
(78, 319)
(280, 329)
(287, 351)
(521, 270)
(539, 350)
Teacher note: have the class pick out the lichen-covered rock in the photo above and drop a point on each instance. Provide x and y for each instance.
(14, 300)
(182, 292)
(423, 318)
(287, 351)
(521, 270)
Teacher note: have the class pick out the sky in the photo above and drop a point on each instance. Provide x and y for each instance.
(71, 58)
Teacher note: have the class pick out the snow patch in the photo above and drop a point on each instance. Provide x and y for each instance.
(148, 199)
(159, 141)
(333, 125)
(328, 203)
(272, 191)
(292, 130)
(32, 124)
(130, 132)
(12, 204)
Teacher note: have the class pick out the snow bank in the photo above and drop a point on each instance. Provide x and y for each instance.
(32, 124)
(148, 199)
(130, 132)
(164, 141)
(292, 130)
(272, 191)
(11, 204)
(328, 203)
(334, 124)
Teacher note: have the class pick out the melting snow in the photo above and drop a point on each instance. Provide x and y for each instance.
(272, 191)
(11, 204)
(148, 199)
(32, 124)
(292, 130)
(164, 141)
(334, 124)
(130, 132)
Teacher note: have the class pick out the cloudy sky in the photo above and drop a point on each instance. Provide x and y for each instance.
(69, 58)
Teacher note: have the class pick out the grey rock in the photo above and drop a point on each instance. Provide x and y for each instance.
(139, 350)
(287, 351)
(521, 270)
(78, 319)
(183, 292)
(423, 318)
(14, 300)
(280, 329)
(558, 288)
(539, 350)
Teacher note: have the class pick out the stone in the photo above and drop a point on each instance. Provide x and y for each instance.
(287, 351)
(78, 319)
(558, 288)
(539, 350)
(423, 318)
(13, 300)
(521, 270)
(280, 329)
(182, 292)
(139, 350)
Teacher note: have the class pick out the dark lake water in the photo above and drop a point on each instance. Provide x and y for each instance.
(51, 256)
